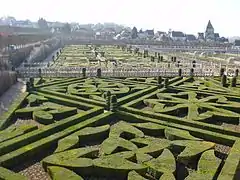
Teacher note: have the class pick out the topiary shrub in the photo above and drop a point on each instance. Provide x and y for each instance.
(63, 112)
(166, 82)
(31, 80)
(178, 64)
(180, 72)
(28, 111)
(28, 86)
(165, 163)
(107, 96)
(40, 72)
(194, 64)
(159, 80)
(222, 70)
(133, 175)
(6, 174)
(236, 72)
(152, 58)
(191, 72)
(84, 72)
(175, 59)
(113, 104)
(99, 72)
(234, 81)
(224, 80)
(43, 117)
(34, 99)
(57, 172)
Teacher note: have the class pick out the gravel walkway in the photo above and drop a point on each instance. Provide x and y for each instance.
(10, 95)
(35, 172)
(27, 121)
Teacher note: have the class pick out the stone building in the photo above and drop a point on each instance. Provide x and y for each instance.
(209, 33)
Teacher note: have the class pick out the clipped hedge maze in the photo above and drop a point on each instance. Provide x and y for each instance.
(192, 101)
(94, 90)
(124, 150)
(180, 131)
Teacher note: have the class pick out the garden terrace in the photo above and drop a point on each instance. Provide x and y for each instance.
(107, 112)
(123, 128)
(123, 61)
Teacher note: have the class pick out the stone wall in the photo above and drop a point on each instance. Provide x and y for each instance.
(7, 79)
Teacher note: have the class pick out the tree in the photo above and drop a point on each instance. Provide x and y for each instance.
(66, 28)
(134, 33)
(42, 23)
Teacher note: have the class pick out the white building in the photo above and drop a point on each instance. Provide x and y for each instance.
(177, 36)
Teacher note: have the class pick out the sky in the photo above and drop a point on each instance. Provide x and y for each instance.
(189, 16)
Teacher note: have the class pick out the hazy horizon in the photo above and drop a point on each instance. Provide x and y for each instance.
(189, 16)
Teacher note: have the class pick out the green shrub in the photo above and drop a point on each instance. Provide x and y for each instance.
(231, 166)
(192, 149)
(6, 174)
(41, 138)
(122, 127)
(116, 166)
(224, 80)
(165, 163)
(167, 176)
(177, 134)
(28, 111)
(151, 129)
(35, 99)
(234, 81)
(71, 158)
(154, 146)
(67, 143)
(142, 158)
(133, 175)
(63, 112)
(43, 117)
(57, 173)
(14, 131)
(114, 144)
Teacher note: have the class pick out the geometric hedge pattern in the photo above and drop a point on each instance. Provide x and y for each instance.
(185, 129)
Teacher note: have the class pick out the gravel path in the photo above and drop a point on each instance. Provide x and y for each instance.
(27, 121)
(226, 149)
(35, 172)
(10, 95)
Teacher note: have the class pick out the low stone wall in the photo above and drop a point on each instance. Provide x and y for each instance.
(7, 79)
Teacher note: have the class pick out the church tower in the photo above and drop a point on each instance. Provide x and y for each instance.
(209, 33)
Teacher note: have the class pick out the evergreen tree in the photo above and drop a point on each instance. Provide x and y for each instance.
(134, 33)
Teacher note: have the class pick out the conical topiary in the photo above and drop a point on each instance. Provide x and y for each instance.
(224, 80)
(234, 81)
(84, 72)
(159, 80)
(222, 72)
(180, 72)
(107, 96)
(236, 72)
(191, 72)
(166, 82)
(99, 72)
(113, 104)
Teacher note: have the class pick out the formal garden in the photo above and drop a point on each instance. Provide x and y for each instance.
(124, 128)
